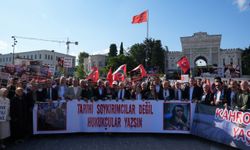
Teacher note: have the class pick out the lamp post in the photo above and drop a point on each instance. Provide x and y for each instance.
(14, 44)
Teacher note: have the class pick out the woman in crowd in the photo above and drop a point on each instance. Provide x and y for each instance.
(5, 125)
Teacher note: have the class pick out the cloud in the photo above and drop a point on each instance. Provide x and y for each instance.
(242, 4)
(3, 45)
(105, 51)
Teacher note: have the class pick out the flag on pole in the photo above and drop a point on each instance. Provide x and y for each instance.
(94, 74)
(110, 77)
(142, 17)
(138, 73)
(183, 63)
(120, 73)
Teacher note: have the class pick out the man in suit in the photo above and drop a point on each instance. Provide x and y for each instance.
(193, 92)
(220, 93)
(232, 93)
(74, 91)
(62, 89)
(158, 87)
(52, 91)
(178, 92)
(166, 93)
(122, 92)
(99, 91)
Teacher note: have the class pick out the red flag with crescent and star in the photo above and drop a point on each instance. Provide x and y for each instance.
(184, 64)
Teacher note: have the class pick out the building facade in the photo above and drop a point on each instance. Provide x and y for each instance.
(204, 50)
(98, 60)
(46, 57)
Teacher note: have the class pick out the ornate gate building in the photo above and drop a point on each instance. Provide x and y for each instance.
(204, 50)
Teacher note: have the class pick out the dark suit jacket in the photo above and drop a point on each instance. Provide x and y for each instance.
(170, 97)
(54, 93)
(207, 98)
(197, 93)
(99, 96)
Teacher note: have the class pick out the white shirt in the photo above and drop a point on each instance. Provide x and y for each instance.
(157, 88)
(75, 90)
(165, 93)
(121, 94)
(218, 94)
(191, 90)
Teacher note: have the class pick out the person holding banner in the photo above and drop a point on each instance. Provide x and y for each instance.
(4, 120)
(243, 99)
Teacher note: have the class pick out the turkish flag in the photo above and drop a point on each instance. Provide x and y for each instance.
(183, 63)
(120, 73)
(138, 73)
(143, 17)
(110, 77)
(94, 74)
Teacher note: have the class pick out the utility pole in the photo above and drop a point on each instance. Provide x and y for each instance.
(14, 44)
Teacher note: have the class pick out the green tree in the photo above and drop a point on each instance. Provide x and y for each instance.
(121, 49)
(81, 57)
(150, 53)
(138, 53)
(245, 58)
(112, 50)
(80, 71)
(117, 61)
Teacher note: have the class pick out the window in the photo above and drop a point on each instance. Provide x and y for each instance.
(231, 61)
(51, 57)
(0, 59)
(40, 56)
(35, 56)
(31, 56)
(28, 56)
(9, 59)
(3, 59)
(45, 56)
(224, 61)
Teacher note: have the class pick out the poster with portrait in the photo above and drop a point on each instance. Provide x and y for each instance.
(176, 116)
(51, 116)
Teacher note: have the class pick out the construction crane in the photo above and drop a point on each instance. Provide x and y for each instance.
(45, 40)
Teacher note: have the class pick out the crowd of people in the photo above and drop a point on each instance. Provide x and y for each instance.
(22, 96)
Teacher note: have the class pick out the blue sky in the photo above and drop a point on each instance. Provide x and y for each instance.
(95, 24)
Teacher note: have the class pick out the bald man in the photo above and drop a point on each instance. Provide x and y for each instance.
(243, 99)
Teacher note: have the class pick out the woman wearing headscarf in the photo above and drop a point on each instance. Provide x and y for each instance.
(4, 125)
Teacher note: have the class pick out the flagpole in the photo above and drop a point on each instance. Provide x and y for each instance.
(147, 23)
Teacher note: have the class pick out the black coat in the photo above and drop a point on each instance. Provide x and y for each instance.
(19, 117)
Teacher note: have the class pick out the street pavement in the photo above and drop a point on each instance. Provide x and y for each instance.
(116, 141)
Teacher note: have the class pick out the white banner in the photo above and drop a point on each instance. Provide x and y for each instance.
(67, 62)
(112, 116)
(4, 107)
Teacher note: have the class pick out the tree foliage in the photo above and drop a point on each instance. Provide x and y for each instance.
(81, 57)
(115, 62)
(80, 71)
(246, 61)
(112, 50)
(150, 53)
(121, 49)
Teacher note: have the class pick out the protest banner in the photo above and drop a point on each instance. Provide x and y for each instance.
(106, 116)
(4, 107)
(222, 125)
